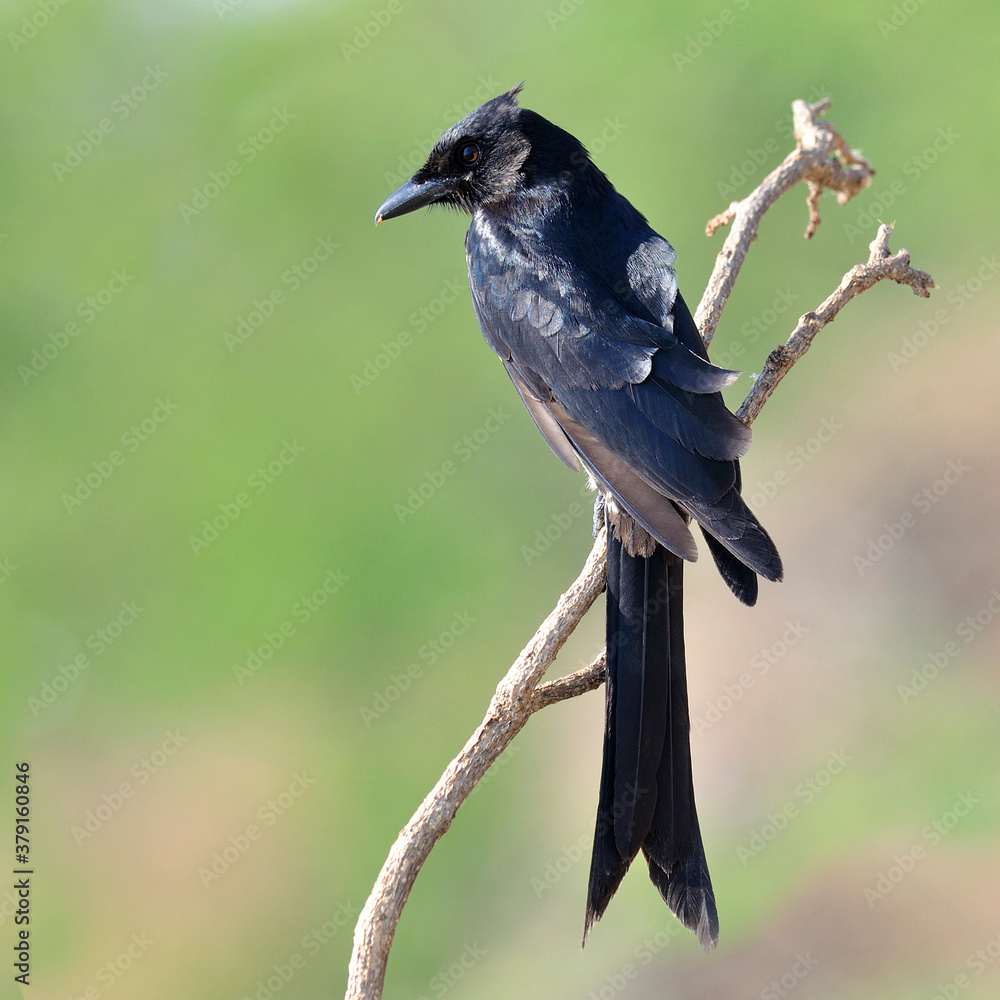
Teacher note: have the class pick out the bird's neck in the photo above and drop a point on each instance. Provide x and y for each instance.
(551, 202)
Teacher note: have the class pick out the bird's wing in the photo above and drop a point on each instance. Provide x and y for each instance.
(625, 392)
(547, 423)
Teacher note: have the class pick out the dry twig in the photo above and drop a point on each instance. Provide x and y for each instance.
(519, 694)
(822, 159)
(881, 266)
(512, 705)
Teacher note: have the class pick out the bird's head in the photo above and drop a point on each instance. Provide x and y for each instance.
(491, 154)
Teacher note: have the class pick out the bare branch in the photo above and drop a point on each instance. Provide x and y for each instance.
(822, 159)
(510, 708)
(588, 678)
(881, 266)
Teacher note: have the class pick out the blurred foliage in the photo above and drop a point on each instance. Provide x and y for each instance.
(221, 384)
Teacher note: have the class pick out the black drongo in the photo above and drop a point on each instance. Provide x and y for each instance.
(578, 296)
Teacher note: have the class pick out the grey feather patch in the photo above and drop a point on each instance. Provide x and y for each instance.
(541, 312)
(522, 304)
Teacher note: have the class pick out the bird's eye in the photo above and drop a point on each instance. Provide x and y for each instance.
(470, 153)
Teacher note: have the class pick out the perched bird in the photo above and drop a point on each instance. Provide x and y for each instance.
(578, 296)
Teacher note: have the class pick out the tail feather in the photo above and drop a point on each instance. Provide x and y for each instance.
(673, 846)
(646, 795)
(740, 579)
(638, 637)
(688, 893)
(607, 867)
(637, 711)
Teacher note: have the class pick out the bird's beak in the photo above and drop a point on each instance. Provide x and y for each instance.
(413, 195)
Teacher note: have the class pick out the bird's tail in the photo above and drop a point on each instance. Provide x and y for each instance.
(647, 794)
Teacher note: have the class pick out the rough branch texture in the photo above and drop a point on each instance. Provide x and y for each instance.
(510, 708)
(822, 159)
(589, 678)
(881, 265)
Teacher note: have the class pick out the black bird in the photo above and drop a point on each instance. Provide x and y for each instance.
(577, 295)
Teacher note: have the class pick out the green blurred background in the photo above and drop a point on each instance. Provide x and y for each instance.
(178, 164)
